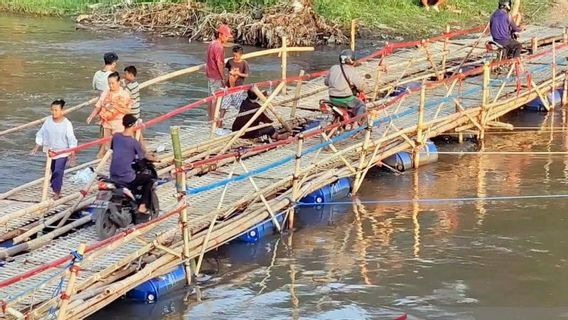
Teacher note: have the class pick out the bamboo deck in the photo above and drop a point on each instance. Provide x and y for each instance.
(397, 128)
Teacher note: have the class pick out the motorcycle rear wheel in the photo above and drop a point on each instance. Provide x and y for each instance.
(103, 225)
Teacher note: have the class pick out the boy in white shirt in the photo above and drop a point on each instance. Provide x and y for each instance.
(56, 134)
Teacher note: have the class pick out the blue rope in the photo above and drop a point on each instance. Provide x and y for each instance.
(345, 135)
(438, 200)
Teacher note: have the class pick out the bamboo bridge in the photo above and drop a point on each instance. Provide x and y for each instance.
(224, 186)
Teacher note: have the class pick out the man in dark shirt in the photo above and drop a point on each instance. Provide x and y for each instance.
(125, 150)
(503, 28)
(247, 110)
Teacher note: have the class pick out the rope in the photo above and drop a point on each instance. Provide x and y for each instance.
(438, 200)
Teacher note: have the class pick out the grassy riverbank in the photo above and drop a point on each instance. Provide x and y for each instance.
(404, 17)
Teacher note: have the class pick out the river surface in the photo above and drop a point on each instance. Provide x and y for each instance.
(447, 259)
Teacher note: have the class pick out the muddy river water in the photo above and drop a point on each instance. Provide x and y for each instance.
(446, 259)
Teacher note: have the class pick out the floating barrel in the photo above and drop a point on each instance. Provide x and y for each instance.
(151, 290)
(337, 190)
(261, 230)
(402, 161)
(538, 105)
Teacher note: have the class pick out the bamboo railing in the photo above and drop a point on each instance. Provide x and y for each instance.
(313, 162)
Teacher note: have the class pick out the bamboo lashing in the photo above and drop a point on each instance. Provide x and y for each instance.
(74, 270)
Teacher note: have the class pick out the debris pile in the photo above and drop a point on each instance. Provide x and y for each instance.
(258, 27)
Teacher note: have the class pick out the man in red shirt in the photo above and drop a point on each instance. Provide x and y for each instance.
(215, 69)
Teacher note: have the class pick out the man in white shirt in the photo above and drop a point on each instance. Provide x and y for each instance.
(56, 134)
(100, 79)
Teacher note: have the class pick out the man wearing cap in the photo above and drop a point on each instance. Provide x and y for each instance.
(100, 79)
(215, 67)
(503, 29)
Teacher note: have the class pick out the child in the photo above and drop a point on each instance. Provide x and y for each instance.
(56, 134)
(238, 70)
(237, 67)
(100, 79)
(133, 89)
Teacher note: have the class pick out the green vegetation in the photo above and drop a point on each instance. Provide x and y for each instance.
(402, 16)
(408, 17)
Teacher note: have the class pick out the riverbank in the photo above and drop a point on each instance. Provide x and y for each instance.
(262, 23)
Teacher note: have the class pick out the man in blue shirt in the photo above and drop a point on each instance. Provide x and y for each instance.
(126, 150)
(503, 29)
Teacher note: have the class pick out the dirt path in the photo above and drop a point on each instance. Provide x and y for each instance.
(556, 15)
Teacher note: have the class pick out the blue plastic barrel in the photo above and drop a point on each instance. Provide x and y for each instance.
(538, 105)
(151, 290)
(261, 230)
(429, 153)
(402, 161)
(337, 190)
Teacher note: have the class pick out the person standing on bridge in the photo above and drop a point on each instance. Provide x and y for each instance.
(114, 103)
(215, 68)
(100, 79)
(504, 29)
(56, 134)
(345, 83)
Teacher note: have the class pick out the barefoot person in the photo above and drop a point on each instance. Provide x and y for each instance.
(113, 104)
(214, 70)
(56, 134)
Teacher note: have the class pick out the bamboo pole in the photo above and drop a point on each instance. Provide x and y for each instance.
(534, 45)
(253, 118)
(353, 31)
(380, 68)
(299, 84)
(181, 189)
(284, 62)
(216, 115)
(46, 177)
(295, 178)
(268, 208)
(272, 109)
(553, 69)
(359, 176)
(565, 35)
(212, 224)
(565, 87)
(420, 125)
(446, 52)
(484, 99)
(74, 270)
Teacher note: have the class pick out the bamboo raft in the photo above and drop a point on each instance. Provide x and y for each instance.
(221, 193)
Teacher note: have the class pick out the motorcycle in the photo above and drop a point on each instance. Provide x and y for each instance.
(340, 112)
(116, 206)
